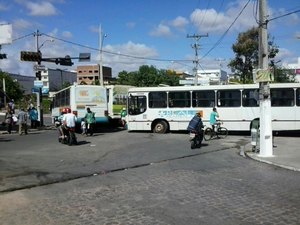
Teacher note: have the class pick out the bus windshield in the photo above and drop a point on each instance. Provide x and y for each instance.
(136, 105)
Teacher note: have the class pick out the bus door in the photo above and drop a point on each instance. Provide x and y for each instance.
(137, 107)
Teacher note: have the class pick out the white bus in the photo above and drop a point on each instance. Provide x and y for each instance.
(78, 98)
(162, 109)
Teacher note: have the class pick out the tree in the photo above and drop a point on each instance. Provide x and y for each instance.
(282, 75)
(246, 54)
(12, 88)
(147, 76)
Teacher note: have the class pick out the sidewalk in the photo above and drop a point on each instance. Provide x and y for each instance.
(286, 153)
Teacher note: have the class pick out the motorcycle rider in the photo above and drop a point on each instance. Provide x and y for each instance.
(69, 121)
(59, 124)
(196, 122)
(195, 126)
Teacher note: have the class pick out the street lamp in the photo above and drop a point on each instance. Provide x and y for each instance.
(101, 39)
(38, 75)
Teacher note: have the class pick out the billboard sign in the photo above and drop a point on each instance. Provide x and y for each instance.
(5, 34)
(38, 84)
(263, 75)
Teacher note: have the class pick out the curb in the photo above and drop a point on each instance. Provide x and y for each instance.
(257, 158)
(48, 127)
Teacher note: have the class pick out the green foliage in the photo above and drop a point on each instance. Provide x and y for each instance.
(147, 76)
(66, 84)
(13, 89)
(117, 108)
(246, 54)
(46, 105)
(282, 75)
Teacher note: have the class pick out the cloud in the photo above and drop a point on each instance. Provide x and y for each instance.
(41, 8)
(161, 31)
(21, 24)
(120, 61)
(130, 25)
(284, 55)
(67, 34)
(180, 23)
(3, 7)
(211, 21)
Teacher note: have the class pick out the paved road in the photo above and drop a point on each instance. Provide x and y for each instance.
(140, 178)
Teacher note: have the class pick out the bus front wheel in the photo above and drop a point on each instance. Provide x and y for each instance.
(160, 127)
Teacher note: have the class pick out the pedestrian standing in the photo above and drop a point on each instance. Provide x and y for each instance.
(123, 117)
(83, 126)
(90, 121)
(11, 106)
(22, 118)
(33, 116)
(9, 119)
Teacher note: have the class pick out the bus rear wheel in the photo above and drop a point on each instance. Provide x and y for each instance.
(160, 127)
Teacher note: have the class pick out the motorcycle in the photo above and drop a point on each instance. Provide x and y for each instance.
(196, 138)
(66, 135)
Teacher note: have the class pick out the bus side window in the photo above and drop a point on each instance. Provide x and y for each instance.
(298, 96)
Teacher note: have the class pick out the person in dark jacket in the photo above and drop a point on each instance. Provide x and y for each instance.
(196, 122)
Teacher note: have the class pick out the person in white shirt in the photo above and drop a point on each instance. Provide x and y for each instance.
(69, 119)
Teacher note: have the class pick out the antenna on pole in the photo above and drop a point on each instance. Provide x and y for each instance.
(196, 46)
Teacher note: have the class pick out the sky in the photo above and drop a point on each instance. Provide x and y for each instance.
(142, 32)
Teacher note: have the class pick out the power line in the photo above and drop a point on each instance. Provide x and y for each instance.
(117, 54)
(221, 38)
(27, 35)
(287, 14)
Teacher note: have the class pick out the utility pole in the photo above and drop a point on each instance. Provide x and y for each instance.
(196, 46)
(38, 77)
(100, 61)
(4, 91)
(266, 144)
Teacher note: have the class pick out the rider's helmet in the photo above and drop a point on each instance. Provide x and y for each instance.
(200, 113)
(66, 110)
(63, 111)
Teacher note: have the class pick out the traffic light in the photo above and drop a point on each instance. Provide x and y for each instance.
(67, 61)
(31, 56)
(38, 75)
(3, 56)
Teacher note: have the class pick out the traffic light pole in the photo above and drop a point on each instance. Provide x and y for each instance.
(38, 77)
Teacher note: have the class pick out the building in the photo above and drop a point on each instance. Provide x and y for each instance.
(89, 74)
(55, 79)
(207, 77)
(295, 67)
(25, 82)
